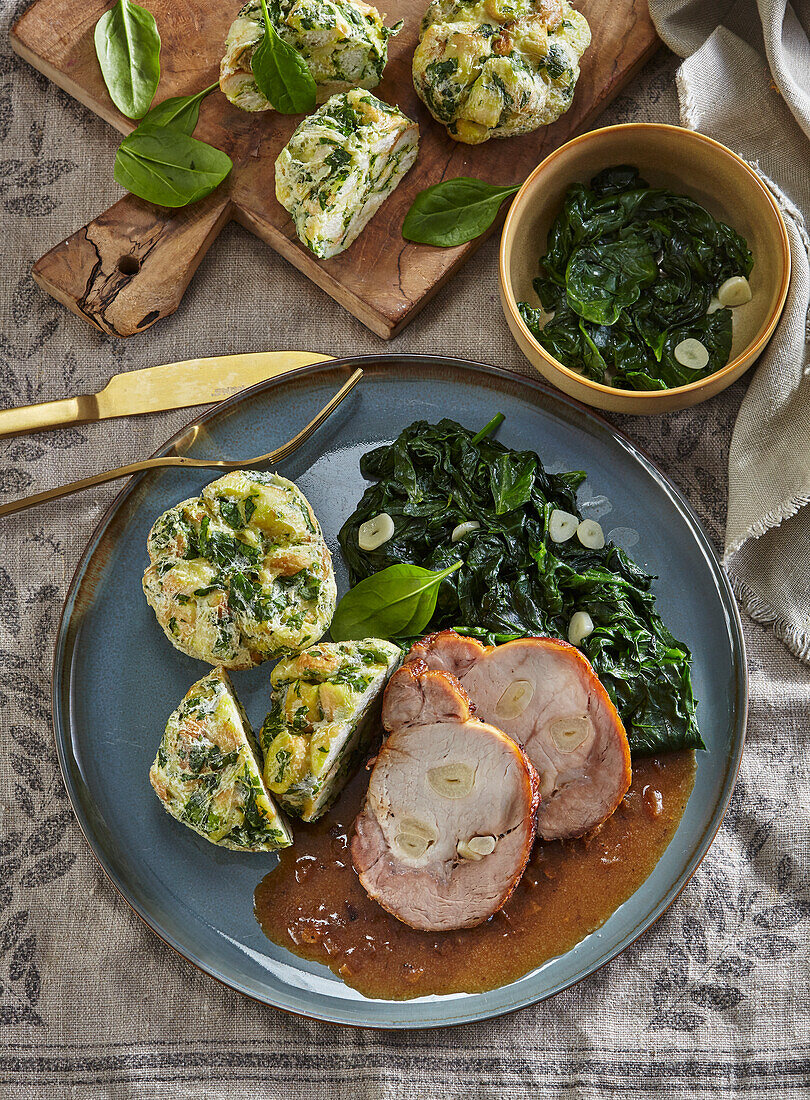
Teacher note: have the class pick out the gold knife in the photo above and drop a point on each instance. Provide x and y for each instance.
(153, 389)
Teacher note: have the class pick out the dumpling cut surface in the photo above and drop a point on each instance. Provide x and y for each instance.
(339, 167)
(324, 717)
(449, 818)
(498, 68)
(207, 772)
(544, 693)
(344, 43)
(241, 573)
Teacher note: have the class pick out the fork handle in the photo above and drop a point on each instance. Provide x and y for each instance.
(280, 453)
(99, 479)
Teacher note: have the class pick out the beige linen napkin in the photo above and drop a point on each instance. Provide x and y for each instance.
(746, 82)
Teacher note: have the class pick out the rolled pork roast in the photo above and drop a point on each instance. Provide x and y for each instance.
(450, 815)
(544, 694)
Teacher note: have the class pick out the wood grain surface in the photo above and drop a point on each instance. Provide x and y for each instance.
(130, 267)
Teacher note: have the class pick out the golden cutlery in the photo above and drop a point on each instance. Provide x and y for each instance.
(154, 389)
(153, 463)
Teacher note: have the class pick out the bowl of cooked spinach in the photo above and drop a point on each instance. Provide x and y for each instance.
(643, 267)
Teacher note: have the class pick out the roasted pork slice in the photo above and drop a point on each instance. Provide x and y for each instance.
(447, 651)
(544, 693)
(449, 818)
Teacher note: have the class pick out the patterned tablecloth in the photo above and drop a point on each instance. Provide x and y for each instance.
(712, 1000)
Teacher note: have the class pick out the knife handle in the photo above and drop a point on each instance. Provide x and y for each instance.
(131, 266)
(49, 414)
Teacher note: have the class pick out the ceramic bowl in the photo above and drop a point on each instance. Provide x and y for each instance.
(683, 161)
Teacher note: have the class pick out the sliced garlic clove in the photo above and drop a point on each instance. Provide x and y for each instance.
(580, 626)
(483, 845)
(464, 529)
(476, 847)
(412, 845)
(515, 699)
(590, 534)
(414, 838)
(570, 732)
(451, 780)
(691, 354)
(375, 531)
(562, 526)
(714, 305)
(735, 291)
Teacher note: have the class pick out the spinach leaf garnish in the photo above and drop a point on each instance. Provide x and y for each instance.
(182, 112)
(128, 50)
(395, 603)
(628, 274)
(513, 580)
(454, 212)
(159, 161)
(163, 165)
(281, 73)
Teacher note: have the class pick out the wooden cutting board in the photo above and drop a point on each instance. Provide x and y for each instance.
(130, 267)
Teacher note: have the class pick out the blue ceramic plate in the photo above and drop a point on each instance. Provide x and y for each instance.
(116, 679)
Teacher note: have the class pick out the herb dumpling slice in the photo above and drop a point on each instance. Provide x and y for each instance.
(498, 68)
(242, 573)
(344, 43)
(207, 772)
(324, 716)
(339, 167)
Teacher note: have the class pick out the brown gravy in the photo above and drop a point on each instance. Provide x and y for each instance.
(313, 903)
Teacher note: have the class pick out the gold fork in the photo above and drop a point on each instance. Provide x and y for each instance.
(152, 463)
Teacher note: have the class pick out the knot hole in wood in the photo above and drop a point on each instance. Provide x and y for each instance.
(129, 265)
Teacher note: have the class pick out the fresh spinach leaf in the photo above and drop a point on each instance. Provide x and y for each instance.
(181, 112)
(128, 50)
(395, 603)
(281, 73)
(454, 211)
(166, 166)
(514, 581)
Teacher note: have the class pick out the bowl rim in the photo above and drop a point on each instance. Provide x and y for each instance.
(751, 350)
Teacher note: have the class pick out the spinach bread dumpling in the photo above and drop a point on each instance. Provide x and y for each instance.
(207, 772)
(498, 68)
(344, 43)
(324, 715)
(241, 574)
(340, 166)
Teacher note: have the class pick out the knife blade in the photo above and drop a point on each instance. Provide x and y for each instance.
(154, 389)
